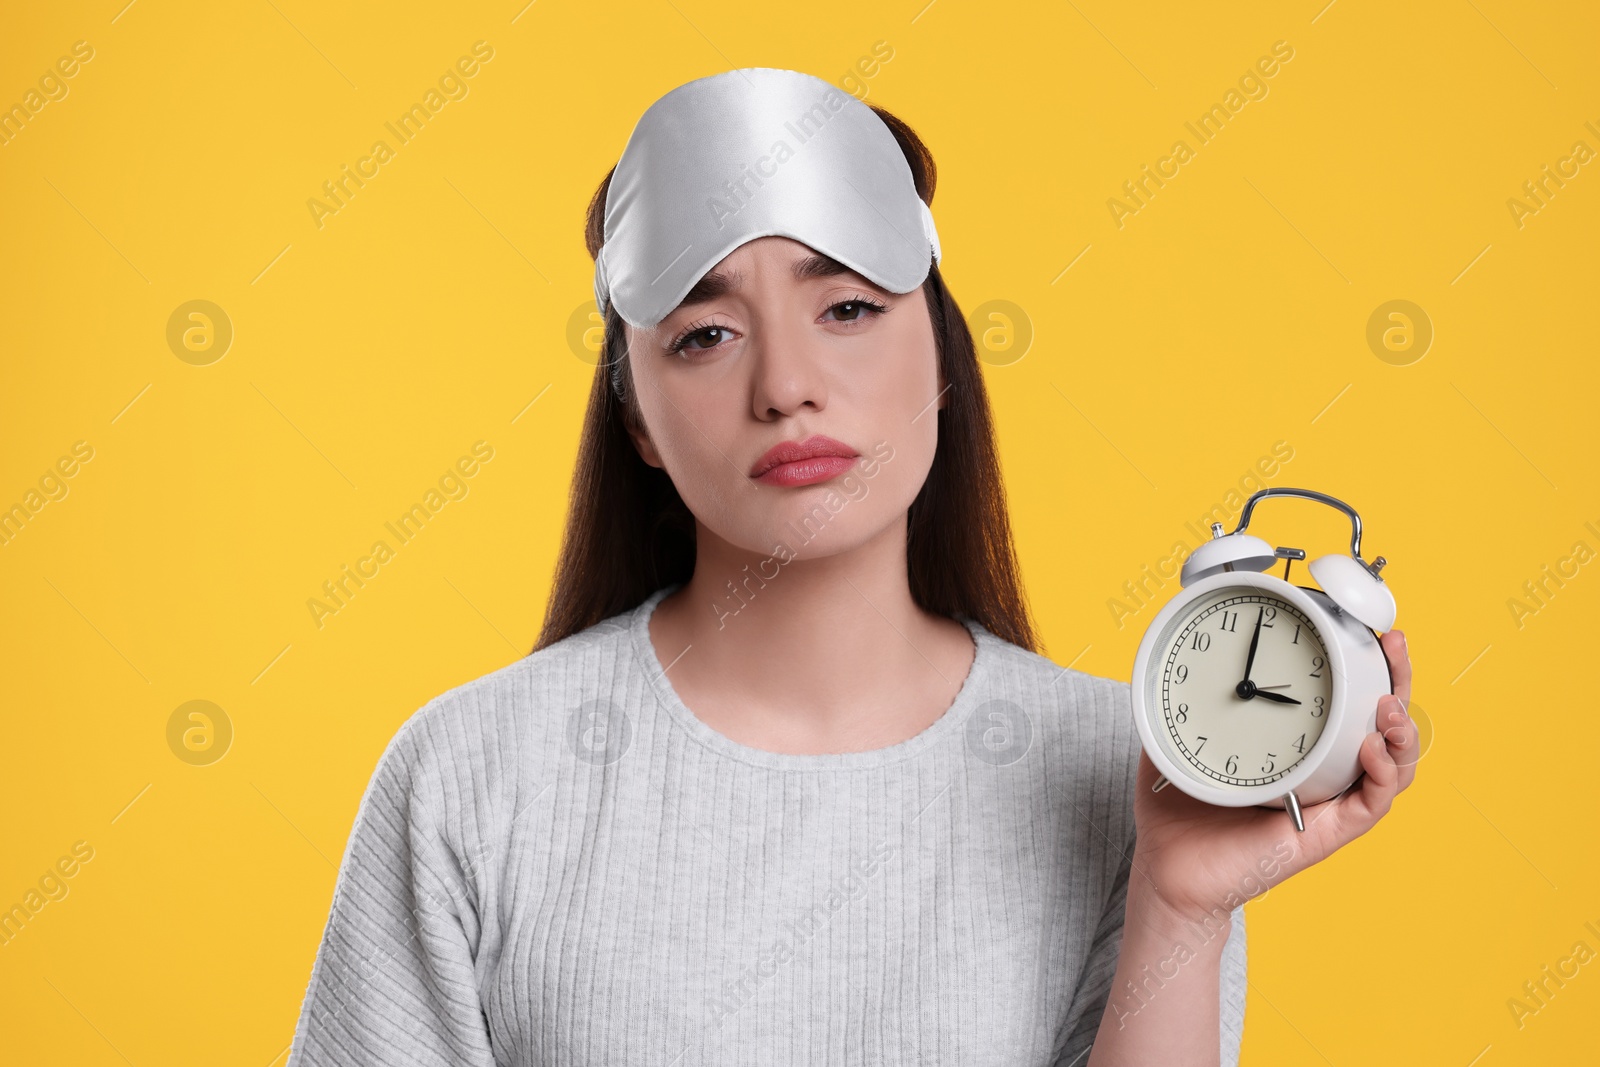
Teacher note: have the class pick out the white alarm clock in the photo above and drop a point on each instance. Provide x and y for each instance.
(1248, 690)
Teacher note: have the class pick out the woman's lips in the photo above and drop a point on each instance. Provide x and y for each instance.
(807, 471)
(815, 459)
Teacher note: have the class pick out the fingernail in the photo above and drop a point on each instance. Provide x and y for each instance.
(1395, 735)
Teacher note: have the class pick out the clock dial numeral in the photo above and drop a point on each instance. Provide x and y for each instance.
(1259, 739)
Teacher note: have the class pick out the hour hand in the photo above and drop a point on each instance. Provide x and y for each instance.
(1279, 697)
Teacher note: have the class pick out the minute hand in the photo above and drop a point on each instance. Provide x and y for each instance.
(1279, 697)
(1255, 639)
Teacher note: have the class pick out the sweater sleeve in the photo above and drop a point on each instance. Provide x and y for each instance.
(1231, 993)
(1094, 985)
(393, 980)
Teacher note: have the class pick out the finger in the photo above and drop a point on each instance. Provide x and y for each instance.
(1359, 810)
(1169, 799)
(1401, 736)
(1393, 644)
(1145, 777)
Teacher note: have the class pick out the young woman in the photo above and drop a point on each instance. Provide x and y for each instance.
(785, 779)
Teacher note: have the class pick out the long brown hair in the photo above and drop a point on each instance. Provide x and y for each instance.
(629, 533)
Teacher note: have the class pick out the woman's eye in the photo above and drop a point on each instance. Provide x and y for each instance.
(855, 310)
(711, 335)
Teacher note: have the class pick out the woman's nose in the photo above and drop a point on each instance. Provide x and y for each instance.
(787, 372)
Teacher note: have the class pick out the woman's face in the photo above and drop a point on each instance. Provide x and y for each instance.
(776, 344)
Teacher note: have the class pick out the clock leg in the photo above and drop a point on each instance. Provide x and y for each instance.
(1161, 783)
(1292, 804)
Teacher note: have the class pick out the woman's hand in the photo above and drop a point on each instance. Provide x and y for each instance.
(1200, 860)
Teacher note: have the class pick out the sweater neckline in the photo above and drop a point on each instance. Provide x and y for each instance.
(951, 721)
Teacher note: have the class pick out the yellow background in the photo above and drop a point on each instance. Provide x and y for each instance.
(368, 354)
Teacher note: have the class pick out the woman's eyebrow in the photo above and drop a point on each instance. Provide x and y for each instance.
(711, 285)
(818, 266)
(717, 283)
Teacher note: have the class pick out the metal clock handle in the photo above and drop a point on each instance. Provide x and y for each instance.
(1322, 498)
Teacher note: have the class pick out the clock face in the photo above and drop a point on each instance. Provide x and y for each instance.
(1236, 720)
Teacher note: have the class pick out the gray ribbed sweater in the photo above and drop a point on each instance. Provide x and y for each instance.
(557, 863)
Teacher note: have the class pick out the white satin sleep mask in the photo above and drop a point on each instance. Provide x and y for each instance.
(750, 153)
